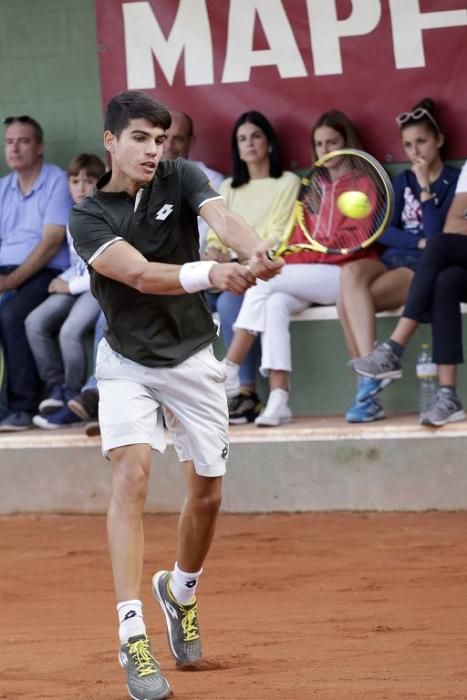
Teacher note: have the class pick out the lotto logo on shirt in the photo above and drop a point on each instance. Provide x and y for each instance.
(164, 212)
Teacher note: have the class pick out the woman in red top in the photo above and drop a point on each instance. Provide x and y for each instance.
(307, 278)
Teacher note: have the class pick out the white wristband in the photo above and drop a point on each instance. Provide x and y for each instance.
(194, 276)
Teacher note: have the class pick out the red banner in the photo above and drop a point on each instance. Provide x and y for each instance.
(291, 60)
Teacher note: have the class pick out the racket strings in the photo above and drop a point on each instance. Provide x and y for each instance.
(321, 218)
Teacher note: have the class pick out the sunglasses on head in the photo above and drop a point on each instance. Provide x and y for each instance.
(415, 115)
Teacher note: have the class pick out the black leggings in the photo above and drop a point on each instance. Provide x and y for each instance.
(437, 289)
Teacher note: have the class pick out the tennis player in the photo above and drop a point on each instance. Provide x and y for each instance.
(138, 234)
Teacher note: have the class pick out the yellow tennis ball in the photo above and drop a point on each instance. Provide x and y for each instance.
(354, 204)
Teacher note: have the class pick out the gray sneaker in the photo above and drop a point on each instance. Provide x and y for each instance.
(143, 675)
(380, 363)
(182, 622)
(446, 409)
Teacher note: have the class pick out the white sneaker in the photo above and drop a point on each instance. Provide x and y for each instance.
(232, 381)
(277, 409)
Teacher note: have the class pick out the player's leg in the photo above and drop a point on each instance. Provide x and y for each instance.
(130, 474)
(176, 590)
(130, 426)
(199, 429)
(198, 518)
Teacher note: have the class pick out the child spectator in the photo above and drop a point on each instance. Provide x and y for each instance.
(423, 194)
(70, 311)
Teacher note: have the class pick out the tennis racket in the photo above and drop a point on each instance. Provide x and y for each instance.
(344, 204)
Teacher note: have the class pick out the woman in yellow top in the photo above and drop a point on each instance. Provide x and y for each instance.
(264, 194)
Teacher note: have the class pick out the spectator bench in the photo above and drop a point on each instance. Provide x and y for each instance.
(323, 384)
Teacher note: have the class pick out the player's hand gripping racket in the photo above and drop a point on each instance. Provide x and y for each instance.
(344, 204)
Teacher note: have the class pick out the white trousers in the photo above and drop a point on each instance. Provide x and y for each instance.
(268, 306)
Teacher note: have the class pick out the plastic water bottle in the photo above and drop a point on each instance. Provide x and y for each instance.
(427, 379)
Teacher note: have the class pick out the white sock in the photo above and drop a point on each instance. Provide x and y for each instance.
(183, 584)
(130, 618)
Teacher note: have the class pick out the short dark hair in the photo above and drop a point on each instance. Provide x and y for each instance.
(340, 122)
(134, 104)
(240, 174)
(89, 162)
(25, 119)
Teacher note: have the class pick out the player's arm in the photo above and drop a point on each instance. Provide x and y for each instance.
(456, 220)
(123, 263)
(48, 246)
(235, 233)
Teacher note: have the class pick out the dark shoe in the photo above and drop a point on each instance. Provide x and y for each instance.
(244, 408)
(53, 401)
(63, 418)
(85, 404)
(16, 421)
(92, 428)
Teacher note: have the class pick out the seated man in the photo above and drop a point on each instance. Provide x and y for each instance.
(180, 139)
(34, 206)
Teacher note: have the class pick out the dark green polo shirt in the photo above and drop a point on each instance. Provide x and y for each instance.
(151, 329)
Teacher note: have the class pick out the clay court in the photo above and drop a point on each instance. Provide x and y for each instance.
(314, 606)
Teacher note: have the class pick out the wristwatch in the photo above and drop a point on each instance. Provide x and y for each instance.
(425, 188)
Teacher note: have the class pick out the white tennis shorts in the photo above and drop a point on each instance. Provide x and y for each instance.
(191, 395)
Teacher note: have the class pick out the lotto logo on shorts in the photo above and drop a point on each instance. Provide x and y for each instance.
(225, 452)
(164, 212)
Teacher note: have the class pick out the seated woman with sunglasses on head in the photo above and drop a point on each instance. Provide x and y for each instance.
(437, 290)
(423, 194)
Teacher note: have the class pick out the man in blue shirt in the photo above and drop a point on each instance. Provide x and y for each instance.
(34, 205)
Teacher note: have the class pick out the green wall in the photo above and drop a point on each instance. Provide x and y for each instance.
(49, 70)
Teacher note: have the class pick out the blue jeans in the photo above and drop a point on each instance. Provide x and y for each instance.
(98, 335)
(23, 383)
(227, 306)
(55, 332)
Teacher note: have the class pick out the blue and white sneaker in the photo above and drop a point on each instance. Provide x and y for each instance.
(365, 411)
(62, 418)
(54, 401)
(369, 387)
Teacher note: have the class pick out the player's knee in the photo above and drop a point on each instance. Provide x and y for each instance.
(130, 480)
(208, 504)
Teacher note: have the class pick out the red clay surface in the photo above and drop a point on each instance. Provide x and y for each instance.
(314, 606)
